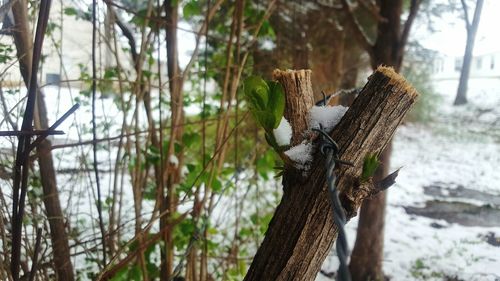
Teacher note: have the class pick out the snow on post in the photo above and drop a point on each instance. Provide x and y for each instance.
(172, 159)
(283, 133)
(301, 155)
(326, 116)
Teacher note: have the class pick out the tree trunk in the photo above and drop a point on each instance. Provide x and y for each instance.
(389, 47)
(302, 231)
(350, 68)
(461, 97)
(59, 237)
(367, 255)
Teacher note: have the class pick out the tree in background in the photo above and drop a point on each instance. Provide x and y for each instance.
(471, 28)
(387, 49)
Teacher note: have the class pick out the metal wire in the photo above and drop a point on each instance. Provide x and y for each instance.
(330, 149)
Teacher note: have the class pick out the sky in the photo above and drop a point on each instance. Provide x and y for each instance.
(451, 35)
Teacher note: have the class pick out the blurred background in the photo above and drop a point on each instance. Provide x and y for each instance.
(163, 174)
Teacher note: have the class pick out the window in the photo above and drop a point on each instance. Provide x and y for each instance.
(52, 79)
(458, 64)
(492, 63)
(479, 63)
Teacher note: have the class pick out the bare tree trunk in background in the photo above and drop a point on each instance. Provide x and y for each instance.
(60, 245)
(388, 49)
(367, 254)
(327, 64)
(350, 65)
(300, 51)
(471, 28)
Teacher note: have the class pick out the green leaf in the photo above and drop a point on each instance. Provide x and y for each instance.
(188, 139)
(266, 119)
(267, 30)
(191, 9)
(276, 101)
(370, 165)
(257, 92)
(70, 11)
(216, 185)
(135, 273)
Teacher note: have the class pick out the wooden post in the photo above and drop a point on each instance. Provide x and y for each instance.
(302, 231)
(298, 100)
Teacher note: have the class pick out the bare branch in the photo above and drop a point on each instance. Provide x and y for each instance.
(29, 133)
(373, 9)
(201, 31)
(357, 29)
(466, 15)
(125, 30)
(415, 4)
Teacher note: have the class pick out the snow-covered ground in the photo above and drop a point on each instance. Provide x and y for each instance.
(459, 149)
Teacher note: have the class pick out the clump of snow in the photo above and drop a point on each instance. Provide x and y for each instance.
(184, 171)
(326, 116)
(172, 159)
(283, 133)
(301, 155)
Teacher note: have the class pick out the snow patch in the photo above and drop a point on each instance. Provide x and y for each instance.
(326, 116)
(172, 159)
(283, 133)
(301, 155)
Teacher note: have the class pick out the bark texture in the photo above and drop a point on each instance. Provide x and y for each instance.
(59, 238)
(302, 231)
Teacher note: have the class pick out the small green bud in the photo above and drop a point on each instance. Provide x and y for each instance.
(370, 165)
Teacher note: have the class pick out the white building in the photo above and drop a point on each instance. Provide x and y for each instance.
(67, 50)
(484, 76)
(483, 66)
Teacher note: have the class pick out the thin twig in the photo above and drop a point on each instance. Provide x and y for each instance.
(94, 133)
(55, 125)
(30, 133)
(360, 35)
(415, 4)
(34, 262)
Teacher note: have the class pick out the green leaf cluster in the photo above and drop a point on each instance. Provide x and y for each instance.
(266, 100)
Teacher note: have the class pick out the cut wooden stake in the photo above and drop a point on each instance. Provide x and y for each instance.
(298, 100)
(302, 232)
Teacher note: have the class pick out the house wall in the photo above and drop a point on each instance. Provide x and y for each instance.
(68, 50)
(483, 66)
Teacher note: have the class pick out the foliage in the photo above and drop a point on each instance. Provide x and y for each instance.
(5, 53)
(417, 69)
(421, 271)
(266, 102)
